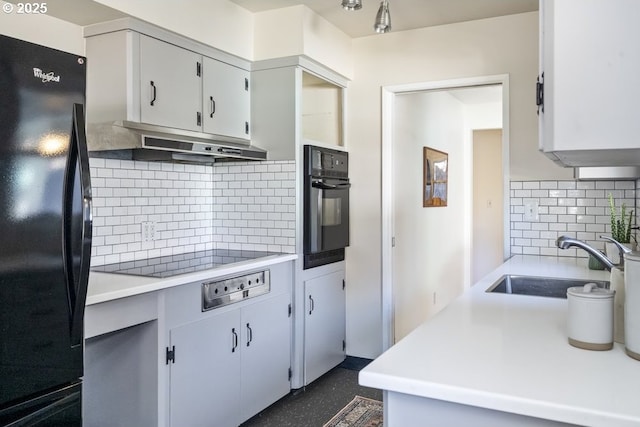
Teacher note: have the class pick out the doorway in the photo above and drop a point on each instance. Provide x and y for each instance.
(427, 252)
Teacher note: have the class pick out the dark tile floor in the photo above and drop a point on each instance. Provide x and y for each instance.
(315, 404)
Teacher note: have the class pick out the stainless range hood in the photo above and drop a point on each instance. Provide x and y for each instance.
(138, 141)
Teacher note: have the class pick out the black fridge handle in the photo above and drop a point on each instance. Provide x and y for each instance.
(77, 286)
(324, 186)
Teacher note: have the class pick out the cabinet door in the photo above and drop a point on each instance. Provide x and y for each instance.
(226, 99)
(266, 354)
(204, 378)
(590, 57)
(171, 87)
(324, 324)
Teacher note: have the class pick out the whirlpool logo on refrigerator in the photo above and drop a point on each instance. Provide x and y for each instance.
(46, 77)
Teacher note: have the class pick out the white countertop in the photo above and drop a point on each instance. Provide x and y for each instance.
(510, 353)
(109, 286)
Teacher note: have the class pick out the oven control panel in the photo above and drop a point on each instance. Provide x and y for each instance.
(219, 293)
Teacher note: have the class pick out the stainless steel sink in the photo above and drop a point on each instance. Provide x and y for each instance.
(539, 286)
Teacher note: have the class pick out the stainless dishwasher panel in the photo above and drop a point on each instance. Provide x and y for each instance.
(218, 293)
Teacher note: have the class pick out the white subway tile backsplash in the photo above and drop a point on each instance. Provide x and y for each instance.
(576, 208)
(195, 207)
(255, 208)
(567, 185)
(586, 185)
(549, 185)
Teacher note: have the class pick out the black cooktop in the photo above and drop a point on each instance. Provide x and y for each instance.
(172, 265)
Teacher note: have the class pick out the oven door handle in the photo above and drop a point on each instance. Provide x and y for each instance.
(324, 186)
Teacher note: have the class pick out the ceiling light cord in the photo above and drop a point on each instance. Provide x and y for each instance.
(383, 18)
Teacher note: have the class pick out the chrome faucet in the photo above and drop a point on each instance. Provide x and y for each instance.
(621, 248)
(565, 242)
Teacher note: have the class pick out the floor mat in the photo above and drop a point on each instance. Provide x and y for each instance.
(360, 412)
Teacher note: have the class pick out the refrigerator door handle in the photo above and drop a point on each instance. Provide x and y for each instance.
(77, 286)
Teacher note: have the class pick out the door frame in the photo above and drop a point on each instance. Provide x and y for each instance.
(388, 122)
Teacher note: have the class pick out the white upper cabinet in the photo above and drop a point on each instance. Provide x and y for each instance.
(226, 99)
(589, 67)
(141, 73)
(170, 80)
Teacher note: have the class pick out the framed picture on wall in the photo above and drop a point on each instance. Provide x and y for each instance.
(434, 181)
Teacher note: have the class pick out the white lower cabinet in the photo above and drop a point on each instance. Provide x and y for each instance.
(228, 367)
(324, 329)
(265, 354)
(205, 372)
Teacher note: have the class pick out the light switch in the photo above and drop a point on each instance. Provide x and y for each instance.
(531, 210)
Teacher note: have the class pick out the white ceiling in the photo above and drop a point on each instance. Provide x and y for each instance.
(405, 14)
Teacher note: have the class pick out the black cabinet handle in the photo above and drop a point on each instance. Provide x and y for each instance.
(235, 340)
(213, 107)
(250, 335)
(154, 92)
(540, 93)
(311, 304)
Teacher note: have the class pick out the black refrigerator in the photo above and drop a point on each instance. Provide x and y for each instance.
(45, 234)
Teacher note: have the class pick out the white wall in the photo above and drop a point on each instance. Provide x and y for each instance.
(289, 31)
(429, 252)
(302, 32)
(286, 41)
(44, 30)
(488, 196)
(326, 44)
(484, 115)
(504, 45)
(218, 23)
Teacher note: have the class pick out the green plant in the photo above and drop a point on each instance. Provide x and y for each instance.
(620, 226)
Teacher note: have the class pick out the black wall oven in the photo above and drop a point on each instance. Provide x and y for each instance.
(326, 205)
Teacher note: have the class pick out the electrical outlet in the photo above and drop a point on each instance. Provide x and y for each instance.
(148, 231)
(531, 210)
